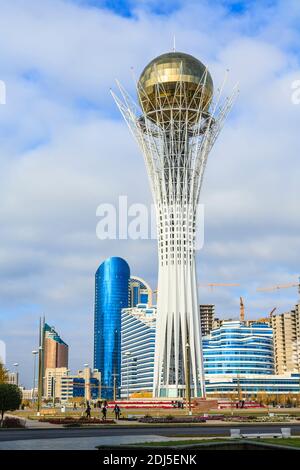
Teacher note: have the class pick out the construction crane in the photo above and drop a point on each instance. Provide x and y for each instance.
(212, 285)
(272, 311)
(242, 310)
(266, 319)
(219, 284)
(280, 286)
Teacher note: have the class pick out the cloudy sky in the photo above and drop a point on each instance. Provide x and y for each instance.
(64, 150)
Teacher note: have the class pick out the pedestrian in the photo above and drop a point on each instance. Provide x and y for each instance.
(117, 411)
(104, 413)
(88, 411)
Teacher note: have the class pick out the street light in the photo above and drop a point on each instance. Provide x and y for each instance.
(40, 380)
(34, 353)
(188, 379)
(86, 386)
(67, 371)
(54, 389)
(128, 354)
(16, 365)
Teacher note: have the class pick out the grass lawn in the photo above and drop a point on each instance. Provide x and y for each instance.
(295, 442)
(180, 443)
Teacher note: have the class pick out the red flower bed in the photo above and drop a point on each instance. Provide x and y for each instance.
(173, 419)
(76, 421)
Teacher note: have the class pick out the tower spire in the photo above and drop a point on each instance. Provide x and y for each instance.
(179, 124)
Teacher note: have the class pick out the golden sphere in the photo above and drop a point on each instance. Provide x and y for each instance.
(175, 86)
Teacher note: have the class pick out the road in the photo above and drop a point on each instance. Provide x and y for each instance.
(206, 430)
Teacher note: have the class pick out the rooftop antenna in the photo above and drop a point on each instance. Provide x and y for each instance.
(174, 43)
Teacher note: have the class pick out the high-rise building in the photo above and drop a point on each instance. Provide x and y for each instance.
(56, 351)
(176, 126)
(111, 296)
(139, 292)
(286, 331)
(207, 314)
(137, 349)
(237, 349)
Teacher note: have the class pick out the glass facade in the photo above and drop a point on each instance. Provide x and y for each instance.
(111, 296)
(139, 292)
(249, 385)
(235, 348)
(138, 327)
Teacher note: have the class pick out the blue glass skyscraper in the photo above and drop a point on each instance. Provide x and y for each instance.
(111, 295)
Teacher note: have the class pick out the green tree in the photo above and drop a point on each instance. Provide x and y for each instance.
(3, 374)
(10, 398)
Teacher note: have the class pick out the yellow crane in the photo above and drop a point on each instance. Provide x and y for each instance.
(242, 310)
(212, 285)
(219, 284)
(280, 286)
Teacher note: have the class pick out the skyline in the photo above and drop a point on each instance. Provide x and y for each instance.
(52, 128)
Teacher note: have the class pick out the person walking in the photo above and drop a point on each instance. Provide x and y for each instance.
(104, 413)
(117, 411)
(88, 411)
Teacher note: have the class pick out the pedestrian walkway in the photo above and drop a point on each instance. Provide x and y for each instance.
(35, 423)
(79, 443)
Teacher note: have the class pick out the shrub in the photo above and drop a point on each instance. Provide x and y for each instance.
(10, 398)
(10, 422)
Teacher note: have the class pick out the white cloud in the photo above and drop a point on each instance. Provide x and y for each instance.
(64, 150)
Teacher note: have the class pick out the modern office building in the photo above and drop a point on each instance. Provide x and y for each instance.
(251, 385)
(56, 351)
(286, 331)
(207, 315)
(137, 349)
(62, 386)
(176, 126)
(111, 296)
(237, 349)
(139, 292)
(86, 384)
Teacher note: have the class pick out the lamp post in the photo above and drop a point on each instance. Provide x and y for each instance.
(67, 371)
(188, 379)
(40, 380)
(128, 354)
(86, 384)
(41, 363)
(53, 389)
(34, 353)
(115, 387)
(16, 365)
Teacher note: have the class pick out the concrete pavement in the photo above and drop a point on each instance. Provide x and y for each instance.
(78, 443)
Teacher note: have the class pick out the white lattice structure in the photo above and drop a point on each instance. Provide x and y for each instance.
(175, 127)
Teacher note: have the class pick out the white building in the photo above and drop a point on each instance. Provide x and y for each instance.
(27, 393)
(137, 349)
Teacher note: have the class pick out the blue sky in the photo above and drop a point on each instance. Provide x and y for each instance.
(64, 149)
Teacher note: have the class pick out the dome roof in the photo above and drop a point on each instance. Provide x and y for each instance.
(160, 78)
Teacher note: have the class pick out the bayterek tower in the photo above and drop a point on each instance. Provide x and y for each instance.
(175, 122)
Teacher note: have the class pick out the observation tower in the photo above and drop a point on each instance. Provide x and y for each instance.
(175, 123)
